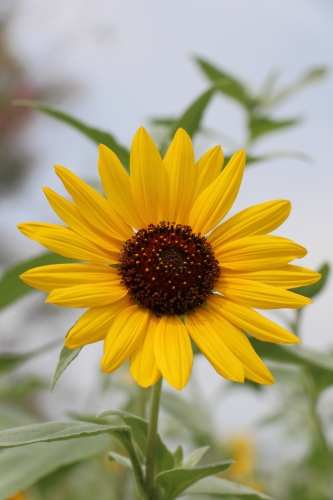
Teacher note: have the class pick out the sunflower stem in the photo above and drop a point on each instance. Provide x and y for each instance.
(152, 437)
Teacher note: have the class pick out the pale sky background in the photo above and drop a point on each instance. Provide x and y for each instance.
(132, 61)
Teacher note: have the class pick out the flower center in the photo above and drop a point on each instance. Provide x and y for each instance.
(168, 268)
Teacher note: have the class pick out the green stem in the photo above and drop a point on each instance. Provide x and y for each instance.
(316, 420)
(152, 436)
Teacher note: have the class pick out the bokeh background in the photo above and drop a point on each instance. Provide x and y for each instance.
(119, 64)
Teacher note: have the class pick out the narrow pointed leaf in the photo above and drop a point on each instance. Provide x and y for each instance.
(120, 459)
(55, 431)
(12, 287)
(191, 118)
(227, 84)
(65, 359)
(178, 455)
(96, 135)
(139, 430)
(309, 77)
(261, 125)
(222, 488)
(23, 467)
(175, 481)
(193, 458)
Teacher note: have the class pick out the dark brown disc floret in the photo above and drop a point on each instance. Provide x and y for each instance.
(168, 268)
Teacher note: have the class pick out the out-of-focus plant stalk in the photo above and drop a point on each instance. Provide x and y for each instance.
(317, 424)
(152, 436)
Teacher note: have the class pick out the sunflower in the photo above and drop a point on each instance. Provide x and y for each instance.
(158, 268)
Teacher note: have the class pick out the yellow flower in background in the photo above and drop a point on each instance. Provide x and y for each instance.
(18, 496)
(149, 276)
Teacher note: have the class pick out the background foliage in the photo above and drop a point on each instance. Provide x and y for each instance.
(87, 468)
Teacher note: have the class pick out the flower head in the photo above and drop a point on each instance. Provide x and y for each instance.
(158, 268)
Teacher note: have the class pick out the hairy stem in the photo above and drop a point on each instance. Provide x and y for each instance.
(152, 436)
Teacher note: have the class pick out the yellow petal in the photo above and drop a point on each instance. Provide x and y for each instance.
(288, 276)
(117, 187)
(71, 215)
(208, 339)
(179, 164)
(255, 253)
(251, 321)
(239, 345)
(173, 351)
(47, 278)
(64, 241)
(148, 178)
(256, 220)
(93, 206)
(216, 200)
(208, 169)
(259, 296)
(143, 365)
(124, 337)
(93, 295)
(94, 324)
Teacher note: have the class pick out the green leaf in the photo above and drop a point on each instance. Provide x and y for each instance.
(96, 135)
(23, 467)
(12, 287)
(227, 84)
(260, 125)
(65, 359)
(318, 364)
(55, 431)
(139, 430)
(193, 458)
(175, 481)
(309, 77)
(312, 290)
(178, 456)
(222, 488)
(190, 120)
(120, 459)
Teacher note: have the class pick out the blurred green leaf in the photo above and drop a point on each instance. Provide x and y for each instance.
(65, 359)
(190, 120)
(260, 125)
(227, 84)
(178, 455)
(318, 364)
(120, 459)
(12, 287)
(96, 135)
(177, 480)
(312, 290)
(23, 467)
(309, 77)
(193, 458)
(139, 430)
(165, 122)
(222, 488)
(55, 431)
